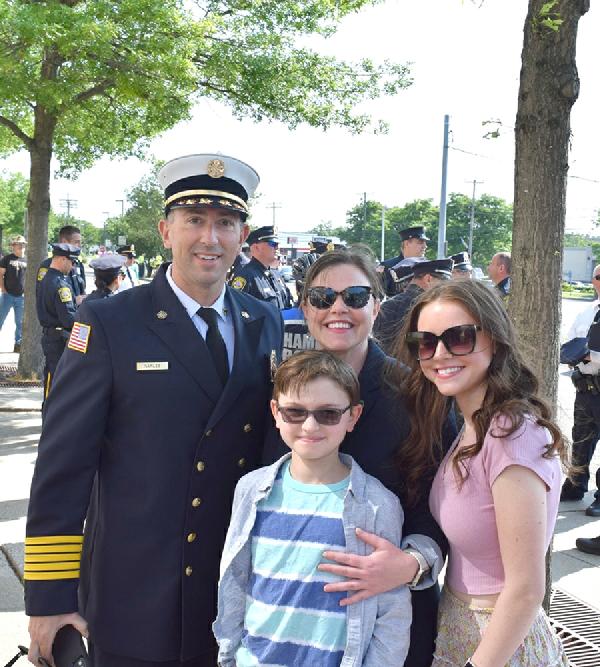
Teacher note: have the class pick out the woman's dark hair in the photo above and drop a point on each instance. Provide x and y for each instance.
(359, 256)
(512, 390)
(104, 279)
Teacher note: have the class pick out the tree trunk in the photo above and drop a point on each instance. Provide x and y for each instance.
(38, 208)
(548, 89)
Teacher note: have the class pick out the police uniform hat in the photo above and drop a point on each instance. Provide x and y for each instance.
(65, 250)
(261, 234)
(208, 181)
(128, 250)
(108, 265)
(413, 233)
(439, 268)
(461, 261)
(320, 246)
(405, 270)
(18, 239)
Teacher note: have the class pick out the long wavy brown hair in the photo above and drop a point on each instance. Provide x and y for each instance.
(512, 387)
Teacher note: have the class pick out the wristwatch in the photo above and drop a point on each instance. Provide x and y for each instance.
(423, 567)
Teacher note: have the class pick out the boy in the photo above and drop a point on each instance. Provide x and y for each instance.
(272, 607)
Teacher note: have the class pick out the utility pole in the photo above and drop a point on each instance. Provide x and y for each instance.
(68, 203)
(364, 211)
(274, 206)
(472, 218)
(383, 210)
(441, 251)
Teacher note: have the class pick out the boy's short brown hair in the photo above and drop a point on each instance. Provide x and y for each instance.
(300, 369)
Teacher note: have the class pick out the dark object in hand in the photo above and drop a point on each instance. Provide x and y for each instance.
(574, 351)
(68, 649)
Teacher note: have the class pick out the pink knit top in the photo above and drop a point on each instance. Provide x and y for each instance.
(467, 515)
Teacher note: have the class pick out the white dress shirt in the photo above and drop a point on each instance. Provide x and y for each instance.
(579, 329)
(224, 321)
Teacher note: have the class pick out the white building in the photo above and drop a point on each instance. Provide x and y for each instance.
(578, 264)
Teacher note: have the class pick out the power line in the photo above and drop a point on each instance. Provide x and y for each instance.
(68, 203)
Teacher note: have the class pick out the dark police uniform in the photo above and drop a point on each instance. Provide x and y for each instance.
(76, 277)
(258, 280)
(379, 434)
(106, 270)
(156, 446)
(56, 311)
(386, 266)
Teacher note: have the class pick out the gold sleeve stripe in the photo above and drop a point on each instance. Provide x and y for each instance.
(52, 558)
(49, 576)
(50, 567)
(55, 539)
(55, 549)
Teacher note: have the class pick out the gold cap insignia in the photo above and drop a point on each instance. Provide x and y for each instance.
(245, 315)
(216, 169)
(162, 315)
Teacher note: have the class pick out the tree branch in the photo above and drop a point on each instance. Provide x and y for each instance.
(17, 131)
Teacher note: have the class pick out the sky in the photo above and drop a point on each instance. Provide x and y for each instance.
(465, 60)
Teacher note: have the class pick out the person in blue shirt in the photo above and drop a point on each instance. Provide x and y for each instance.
(272, 606)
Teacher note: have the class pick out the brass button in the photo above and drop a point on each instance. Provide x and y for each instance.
(242, 462)
(196, 502)
(208, 433)
(191, 537)
(247, 428)
(200, 466)
(188, 571)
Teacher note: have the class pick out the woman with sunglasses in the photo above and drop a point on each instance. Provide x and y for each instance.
(340, 301)
(496, 492)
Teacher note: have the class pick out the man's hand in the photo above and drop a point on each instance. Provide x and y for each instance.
(386, 568)
(43, 629)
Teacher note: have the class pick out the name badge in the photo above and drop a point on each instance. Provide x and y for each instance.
(152, 366)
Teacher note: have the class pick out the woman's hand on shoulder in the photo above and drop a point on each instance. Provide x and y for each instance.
(386, 568)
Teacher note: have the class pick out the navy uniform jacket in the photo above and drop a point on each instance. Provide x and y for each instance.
(103, 293)
(76, 277)
(378, 435)
(391, 316)
(261, 283)
(55, 301)
(389, 284)
(159, 447)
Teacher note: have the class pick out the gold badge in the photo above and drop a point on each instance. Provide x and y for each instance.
(41, 273)
(162, 315)
(238, 283)
(244, 313)
(216, 169)
(64, 294)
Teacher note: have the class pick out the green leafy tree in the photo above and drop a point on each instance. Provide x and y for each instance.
(84, 78)
(363, 225)
(13, 206)
(418, 212)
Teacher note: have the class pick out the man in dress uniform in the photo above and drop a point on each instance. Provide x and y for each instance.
(462, 268)
(256, 277)
(56, 308)
(173, 381)
(71, 235)
(425, 274)
(130, 270)
(413, 244)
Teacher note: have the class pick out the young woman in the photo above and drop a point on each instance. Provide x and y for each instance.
(340, 301)
(496, 492)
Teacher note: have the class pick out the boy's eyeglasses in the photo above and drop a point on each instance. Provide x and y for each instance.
(459, 341)
(356, 296)
(323, 416)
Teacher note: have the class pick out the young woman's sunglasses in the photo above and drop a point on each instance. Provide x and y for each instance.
(324, 297)
(459, 341)
(323, 416)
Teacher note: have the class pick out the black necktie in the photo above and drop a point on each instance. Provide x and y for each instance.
(215, 343)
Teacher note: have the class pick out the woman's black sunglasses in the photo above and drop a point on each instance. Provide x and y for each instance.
(324, 297)
(459, 341)
(323, 416)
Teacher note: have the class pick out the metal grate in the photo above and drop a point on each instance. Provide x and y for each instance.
(578, 626)
(8, 370)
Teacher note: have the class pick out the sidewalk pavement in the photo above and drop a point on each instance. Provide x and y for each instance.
(576, 573)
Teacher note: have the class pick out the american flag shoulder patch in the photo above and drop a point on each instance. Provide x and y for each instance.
(79, 338)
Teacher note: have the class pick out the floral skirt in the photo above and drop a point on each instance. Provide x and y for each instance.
(460, 628)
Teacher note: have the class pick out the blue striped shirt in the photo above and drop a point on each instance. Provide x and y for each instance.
(289, 620)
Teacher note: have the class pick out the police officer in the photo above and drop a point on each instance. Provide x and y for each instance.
(423, 275)
(71, 235)
(256, 277)
(462, 269)
(413, 242)
(56, 307)
(172, 381)
(130, 270)
(108, 273)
